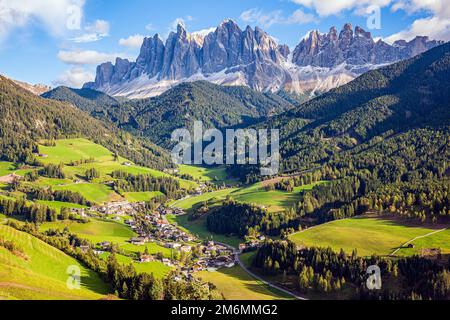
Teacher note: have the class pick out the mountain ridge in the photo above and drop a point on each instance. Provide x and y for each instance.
(251, 57)
(26, 119)
(156, 117)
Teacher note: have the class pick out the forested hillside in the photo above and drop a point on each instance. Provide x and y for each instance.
(87, 100)
(381, 106)
(26, 119)
(382, 142)
(157, 117)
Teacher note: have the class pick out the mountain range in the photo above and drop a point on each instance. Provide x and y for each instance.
(251, 57)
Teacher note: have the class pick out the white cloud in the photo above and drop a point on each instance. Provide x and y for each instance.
(267, 19)
(435, 24)
(300, 17)
(74, 77)
(435, 28)
(149, 27)
(56, 16)
(333, 7)
(204, 32)
(134, 41)
(94, 32)
(79, 57)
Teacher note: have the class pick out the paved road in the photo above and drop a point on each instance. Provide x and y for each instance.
(242, 265)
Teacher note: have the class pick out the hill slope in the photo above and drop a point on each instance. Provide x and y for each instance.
(25, 119)
(389, 104)
(157, 117)
(40, 272)
(85, 99)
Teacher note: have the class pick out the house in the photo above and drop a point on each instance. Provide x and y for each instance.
(84, 248)
(105, 244)
(167, 262)
(138, 241)
(173, 245)
(146, 258)
(186, 249)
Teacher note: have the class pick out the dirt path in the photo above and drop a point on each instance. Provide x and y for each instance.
(416, 238)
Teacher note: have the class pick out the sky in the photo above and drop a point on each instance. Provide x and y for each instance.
(60, 42)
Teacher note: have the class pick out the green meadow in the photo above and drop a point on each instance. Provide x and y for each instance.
(94, 192)
(157, 268)
(68, 150)
(95, 231)
(6, 168)
(141, 196)
(198, 228)
(236, 284)
(206, 174)
(99, 230)
(274, 201)
(371, 235)
(58, 205)
(40, 273)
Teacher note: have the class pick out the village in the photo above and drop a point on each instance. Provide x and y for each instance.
(153, 227)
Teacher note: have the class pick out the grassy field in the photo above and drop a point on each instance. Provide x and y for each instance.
(192, 202)
(68, 150)
(95, 231)
(95, 192)
(198, 228)
(141, 196)
(6, 168)
(98, 231)
(204, 174)
(58, 205)
(236, 284)
(440, 240)
(158, 269)
(274, 201)
(42, 272)
(370, 236)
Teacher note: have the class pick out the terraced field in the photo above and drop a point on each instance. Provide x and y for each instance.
(41, 272)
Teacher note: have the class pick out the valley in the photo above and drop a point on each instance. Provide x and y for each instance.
(87, 179)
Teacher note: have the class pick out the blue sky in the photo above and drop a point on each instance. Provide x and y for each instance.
(61, 41)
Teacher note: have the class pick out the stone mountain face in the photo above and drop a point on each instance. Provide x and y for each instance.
(355, 48)
(250, 57)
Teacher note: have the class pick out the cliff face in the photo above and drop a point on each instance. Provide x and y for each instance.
(250, 57)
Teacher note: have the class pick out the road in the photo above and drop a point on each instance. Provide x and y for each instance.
(252, 274)
(416, 238)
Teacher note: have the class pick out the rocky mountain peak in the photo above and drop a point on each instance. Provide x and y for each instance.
(354, 47)
(230, 55)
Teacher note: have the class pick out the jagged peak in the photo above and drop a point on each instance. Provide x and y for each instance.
(227, 21)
